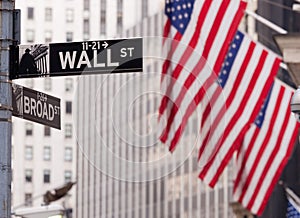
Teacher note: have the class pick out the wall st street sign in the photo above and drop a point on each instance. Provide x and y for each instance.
(36, 106)
(75, 58)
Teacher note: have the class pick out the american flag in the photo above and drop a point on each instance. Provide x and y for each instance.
(293, 208)
(232, 103)
(265, 150)
(197, 35)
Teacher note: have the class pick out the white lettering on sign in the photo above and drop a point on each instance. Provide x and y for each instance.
(40, 108)
(109, 63)
(124, 52)
(69, 59)
(84, 59)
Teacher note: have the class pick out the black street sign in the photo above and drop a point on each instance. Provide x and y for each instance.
(75, 58)
(36, 106)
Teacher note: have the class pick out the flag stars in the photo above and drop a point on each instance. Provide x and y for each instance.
(233, 45)
(179, 13)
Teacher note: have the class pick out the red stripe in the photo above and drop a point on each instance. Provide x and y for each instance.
(197, 99)
(229, 37)
(279, 170)
(273, 154)
(263, 145)
(193, 42)
(237, 116)
(167, 29)
(174, 43)
(201, 63)
(245, 158)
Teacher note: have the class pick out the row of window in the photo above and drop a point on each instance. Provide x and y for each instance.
(49, 14)
(47, 130)
(30, 36)
(47, 176)
(48, 84)
(68, 155)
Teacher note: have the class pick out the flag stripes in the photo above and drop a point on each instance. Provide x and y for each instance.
(265, 151)
(231, 109)
(216, 28)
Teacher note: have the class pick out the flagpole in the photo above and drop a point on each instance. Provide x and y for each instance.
(268, 23)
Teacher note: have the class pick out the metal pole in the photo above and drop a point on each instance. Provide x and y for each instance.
(266, 22)
(6, 39)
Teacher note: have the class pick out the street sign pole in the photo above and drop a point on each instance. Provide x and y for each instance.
(6, 39)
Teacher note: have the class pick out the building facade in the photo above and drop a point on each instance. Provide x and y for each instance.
(123, 170)
(45, 158)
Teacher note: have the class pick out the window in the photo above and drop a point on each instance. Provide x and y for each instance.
(28, 152)
(47, 153)
(103, 17)
(86, 4)
(28, 128)
(86, 29)
(68, 130)
(68, 107)
(30, 35)
(69, 85)
(69, 15)
(46, 176)
(68, 154)
(30, 13)
(68, 176)
(47, 131)
(48, 84)
(48, 14)
(28, 199)
(48, 36)
(28, 175)
(69, 36)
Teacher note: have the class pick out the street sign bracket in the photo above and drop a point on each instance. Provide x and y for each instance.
(5, 81)
(6, 107)
(5, 120)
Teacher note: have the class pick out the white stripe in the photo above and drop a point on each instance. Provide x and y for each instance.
(246, 169)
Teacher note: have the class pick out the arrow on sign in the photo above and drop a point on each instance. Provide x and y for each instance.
(105, 44)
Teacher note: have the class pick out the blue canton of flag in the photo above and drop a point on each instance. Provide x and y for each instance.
(292, 212)
(179, 12)
(293, 207)
(230, 57)
(261, 116)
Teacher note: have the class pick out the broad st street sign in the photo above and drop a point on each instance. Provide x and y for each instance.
(75, 58)
(36, 106)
